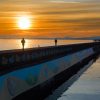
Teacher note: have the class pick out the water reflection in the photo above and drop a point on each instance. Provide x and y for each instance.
(6, 44)
(65, 86)
(87, 87)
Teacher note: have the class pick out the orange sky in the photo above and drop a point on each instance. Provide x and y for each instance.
(50, 19)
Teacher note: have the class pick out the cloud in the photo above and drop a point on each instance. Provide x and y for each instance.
(23, 1)
(52, 17)
(73, 1)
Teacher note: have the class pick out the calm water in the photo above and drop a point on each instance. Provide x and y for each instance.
(87, 87)
(7, 44)
(65, 86)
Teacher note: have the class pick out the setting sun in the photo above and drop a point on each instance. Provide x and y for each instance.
(24, 22)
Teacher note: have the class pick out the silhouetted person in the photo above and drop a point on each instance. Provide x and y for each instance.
(55, 42)
(38, 46)
(23, 42)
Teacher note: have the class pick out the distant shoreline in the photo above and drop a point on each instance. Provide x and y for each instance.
(65, 38)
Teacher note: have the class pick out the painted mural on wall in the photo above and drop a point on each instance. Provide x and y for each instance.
(19, 81)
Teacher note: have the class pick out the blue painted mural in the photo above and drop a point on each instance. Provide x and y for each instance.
(21, 80)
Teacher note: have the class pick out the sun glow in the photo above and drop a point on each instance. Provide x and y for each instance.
(24, 22)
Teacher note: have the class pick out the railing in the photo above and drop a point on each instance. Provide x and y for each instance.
(16, 59)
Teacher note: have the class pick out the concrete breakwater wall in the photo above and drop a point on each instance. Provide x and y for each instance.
(11, 60)
(44, 76)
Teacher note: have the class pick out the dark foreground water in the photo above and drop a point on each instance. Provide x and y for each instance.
(87, 87)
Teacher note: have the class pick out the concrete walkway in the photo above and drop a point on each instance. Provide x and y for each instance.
(87, 87)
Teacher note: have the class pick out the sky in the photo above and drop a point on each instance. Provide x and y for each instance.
(50, 18)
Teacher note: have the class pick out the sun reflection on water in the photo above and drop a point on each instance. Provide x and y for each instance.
(7, 44)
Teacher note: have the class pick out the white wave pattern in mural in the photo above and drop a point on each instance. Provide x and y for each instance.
(16, 82)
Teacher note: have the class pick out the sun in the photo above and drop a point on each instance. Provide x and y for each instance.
(24, 22)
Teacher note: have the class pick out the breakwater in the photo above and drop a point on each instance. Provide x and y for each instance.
(35, 73)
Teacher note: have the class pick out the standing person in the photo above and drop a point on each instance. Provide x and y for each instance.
(55, 42)
(23, 42)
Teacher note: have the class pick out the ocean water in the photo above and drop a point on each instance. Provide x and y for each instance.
(87, 87)
(7, 44)
(57, 94)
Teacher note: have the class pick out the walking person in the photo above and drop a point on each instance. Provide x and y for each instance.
(23, 43)
(55, 42)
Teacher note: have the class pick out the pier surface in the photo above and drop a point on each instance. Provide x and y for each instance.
(87, 87)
